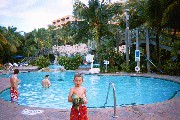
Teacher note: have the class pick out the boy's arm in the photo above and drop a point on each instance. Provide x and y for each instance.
(84, 97)
(42, 83)
(49, 83)
(70, 94)
(18, 81)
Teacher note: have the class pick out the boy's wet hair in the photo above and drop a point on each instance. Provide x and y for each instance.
(16, 71)
(47, 76)
(78, 75)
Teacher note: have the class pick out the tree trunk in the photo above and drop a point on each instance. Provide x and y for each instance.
(97, 37)
(147, 50)
(158, 49)
(174, 34)
(118, 40)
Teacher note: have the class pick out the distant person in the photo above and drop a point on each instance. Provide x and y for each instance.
(77, 96)
(46, 82)
(14, 86)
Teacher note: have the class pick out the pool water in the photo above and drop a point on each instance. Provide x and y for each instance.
(55, 66)
(129, 90)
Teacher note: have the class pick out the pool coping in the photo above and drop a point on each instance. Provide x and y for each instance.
(169, 109)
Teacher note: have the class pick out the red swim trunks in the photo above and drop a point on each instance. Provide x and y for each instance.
(79, 115)
(14, 94)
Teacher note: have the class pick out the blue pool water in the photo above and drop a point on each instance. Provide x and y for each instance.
(55, 66)
(129, 90)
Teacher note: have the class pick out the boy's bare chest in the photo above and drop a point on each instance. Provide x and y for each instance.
(79, 91)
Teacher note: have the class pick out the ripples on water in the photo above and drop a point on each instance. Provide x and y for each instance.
(129, 90)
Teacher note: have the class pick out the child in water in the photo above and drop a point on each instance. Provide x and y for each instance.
(46, 82)
(77, 96)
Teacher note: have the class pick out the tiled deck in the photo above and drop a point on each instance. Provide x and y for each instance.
(168, 110)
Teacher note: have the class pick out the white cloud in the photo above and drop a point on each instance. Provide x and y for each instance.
(3, 3)
(44, 15)
(28, 15)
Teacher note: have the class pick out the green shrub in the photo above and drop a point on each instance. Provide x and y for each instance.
(171, 68)
(125, 68)
(70, 63)
(113, 69)
(1, 68)
(108, 52)
(42, 62)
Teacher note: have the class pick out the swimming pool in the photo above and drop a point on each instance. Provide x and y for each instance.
(129, 90)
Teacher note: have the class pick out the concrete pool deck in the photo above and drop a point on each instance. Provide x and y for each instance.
(167, 110)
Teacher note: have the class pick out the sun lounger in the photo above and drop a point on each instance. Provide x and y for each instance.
(94, 70)
(15, 65)
(10, 64)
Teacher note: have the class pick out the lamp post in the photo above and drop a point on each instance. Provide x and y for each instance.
(127, 36)
(137, 52)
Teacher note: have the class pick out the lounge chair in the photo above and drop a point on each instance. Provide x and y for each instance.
(15, 65)
(10, 64)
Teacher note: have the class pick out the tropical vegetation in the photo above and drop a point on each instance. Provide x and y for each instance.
(70, 63)
(104, 26)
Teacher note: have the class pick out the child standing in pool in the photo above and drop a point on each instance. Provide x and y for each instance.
(46, 82)
(77, 96)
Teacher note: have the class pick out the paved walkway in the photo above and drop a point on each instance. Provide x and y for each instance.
(168, 110)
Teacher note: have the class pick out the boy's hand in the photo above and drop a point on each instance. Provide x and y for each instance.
(85, 101)
(84, 98)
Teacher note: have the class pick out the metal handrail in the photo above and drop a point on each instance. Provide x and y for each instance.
(114, 95)
(153, 64)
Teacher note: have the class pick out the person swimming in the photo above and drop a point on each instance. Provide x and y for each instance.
(46, 82)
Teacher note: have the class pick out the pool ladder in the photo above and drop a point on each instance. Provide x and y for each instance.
(114, 95)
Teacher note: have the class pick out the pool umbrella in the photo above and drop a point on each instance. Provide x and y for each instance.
(18, 56)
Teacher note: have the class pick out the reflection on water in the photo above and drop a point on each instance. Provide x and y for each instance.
(129, 90)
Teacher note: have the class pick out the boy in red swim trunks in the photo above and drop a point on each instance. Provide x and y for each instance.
(14, 86)
(77, 96)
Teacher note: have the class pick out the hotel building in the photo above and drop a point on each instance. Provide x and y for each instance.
(63, 21)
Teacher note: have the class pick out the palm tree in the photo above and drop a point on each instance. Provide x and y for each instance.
(97, 15)
(171, 16)
(43, 40)
(9, 42)
(160, 13)
(13, 38)
(52, 32)
(28, 45)
(3, 41)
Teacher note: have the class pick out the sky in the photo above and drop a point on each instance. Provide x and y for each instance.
(27, 15)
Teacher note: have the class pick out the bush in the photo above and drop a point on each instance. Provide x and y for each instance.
(108, 52)
(125, 68)
(171, 68)
(70, 63)
(42, 62)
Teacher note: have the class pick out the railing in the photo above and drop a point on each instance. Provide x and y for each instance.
(114, 95)
(153, 64)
